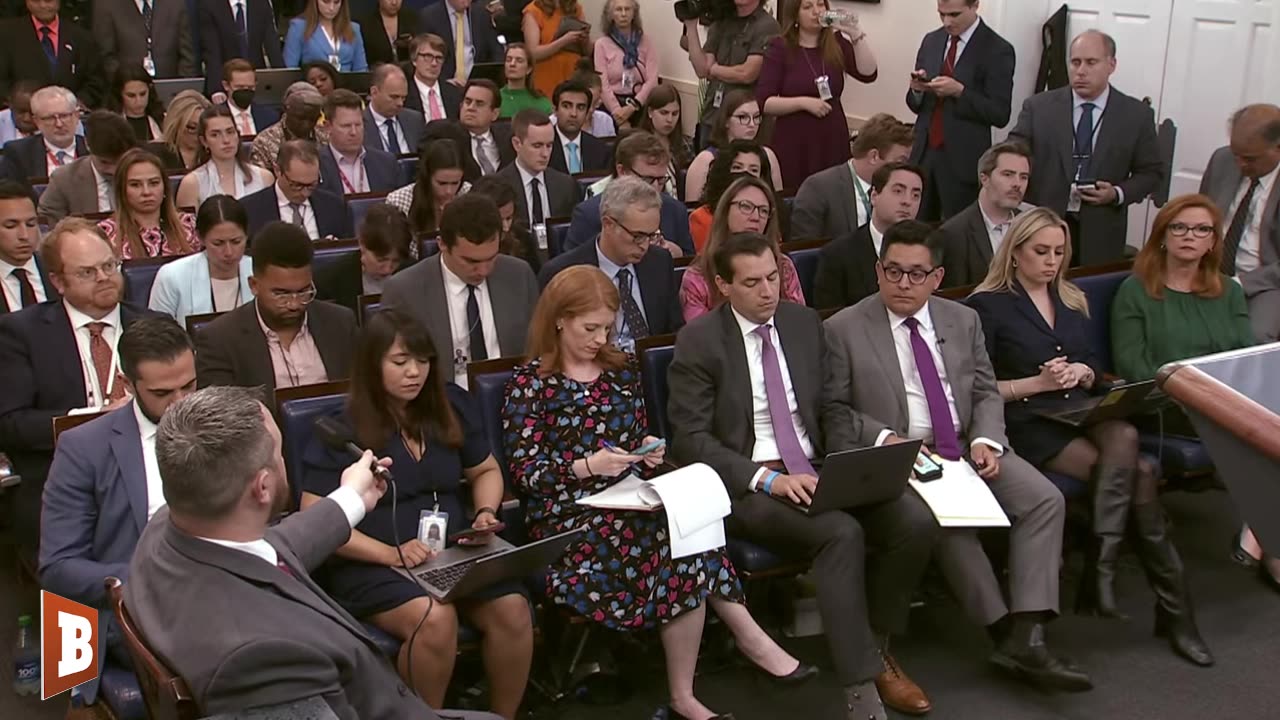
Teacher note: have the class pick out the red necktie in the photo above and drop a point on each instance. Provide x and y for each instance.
(100, 353)
(935, 121)
(285, 569)
(26, 293)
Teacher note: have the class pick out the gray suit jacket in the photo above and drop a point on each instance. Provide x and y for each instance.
(122, 37)
(411, 124)
(418, 291)
(866, 383)
(826, 205)
(1125, 153)
(72, 191)
(244, 634)
(1221, 181)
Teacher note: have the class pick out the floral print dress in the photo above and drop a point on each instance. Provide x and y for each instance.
(622, 574)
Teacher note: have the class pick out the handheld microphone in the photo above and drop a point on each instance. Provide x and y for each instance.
(338, 437)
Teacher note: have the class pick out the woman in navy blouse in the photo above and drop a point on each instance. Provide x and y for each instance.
(1035, 321)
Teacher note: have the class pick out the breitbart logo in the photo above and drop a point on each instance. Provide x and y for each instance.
(68, 644)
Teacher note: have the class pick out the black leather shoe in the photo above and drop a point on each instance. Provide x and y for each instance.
(1183, 637)
(673, 715)
(1026, 657)
(801, 675)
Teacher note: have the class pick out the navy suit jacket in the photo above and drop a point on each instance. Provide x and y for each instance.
(330, 211)
(381, 168)
(435, 20)
(655, 274)
(264, 116)
(49, 290)
(220, 41)
(411, 124)
(596, 155)
(26, 157)
(79, 66)
(450, 97)
(585, 224)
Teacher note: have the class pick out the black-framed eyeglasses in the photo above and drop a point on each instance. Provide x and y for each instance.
(659, 181)
(643, 239)
(300, 297)
(748, 208)
(745, 119)
(915, 276)
(431, 57)
(297, 185)
(1178, 229)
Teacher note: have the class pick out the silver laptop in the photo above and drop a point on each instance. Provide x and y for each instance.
(460, 571)
(166, 89)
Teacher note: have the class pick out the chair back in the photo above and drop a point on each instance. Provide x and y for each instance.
(586, 179)
(196, 323)
(166, 695)
(1100, 290)
(806, 262)
(140, 275)
(408, 168)
(39, 186)
(557, 231)
(487, 381)
(655, 354)
(329, 253)
(678, 272)
(358, 205)
(426, 246)
(368, 305)
(297, 409)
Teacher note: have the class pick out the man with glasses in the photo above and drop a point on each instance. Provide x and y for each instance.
(846, 265)
(57, 117)
(285, 337)
(84, 186)
(346, 165)
(491, 144)
(542, 192)
(295, 199)
(302, 107)
(642, 155)
(629, 250)
(907, 364)
(48, 48)
(59, 356)
(434, 99)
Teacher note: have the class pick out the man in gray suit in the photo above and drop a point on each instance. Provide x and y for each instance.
(388, 124)
(971, 238)
(906, 364)
(84, 186)
(1241, 179)
(474, 301)
(155, 34)
(226, 598)
(1110, 160)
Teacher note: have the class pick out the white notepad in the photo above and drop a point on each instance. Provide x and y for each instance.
(961, 498)
(695, 500)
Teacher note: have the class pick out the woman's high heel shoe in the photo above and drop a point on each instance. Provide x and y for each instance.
(801, 675)
(672, 714)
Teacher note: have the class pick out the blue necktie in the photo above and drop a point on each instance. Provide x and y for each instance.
(393, 142)
(1084, 140)
(46, 42)
(242, 30)
(574, 162)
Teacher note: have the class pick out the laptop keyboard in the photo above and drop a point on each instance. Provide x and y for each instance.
(446, 577)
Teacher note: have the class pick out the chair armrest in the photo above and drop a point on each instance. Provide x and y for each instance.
(8, 478)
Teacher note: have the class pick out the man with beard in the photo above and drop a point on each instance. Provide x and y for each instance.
(972, 237)
(285, 337)
(104, 485)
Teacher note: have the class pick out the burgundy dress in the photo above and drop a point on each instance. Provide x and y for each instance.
(806, 144)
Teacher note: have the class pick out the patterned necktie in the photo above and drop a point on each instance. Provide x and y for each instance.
(242, 31)
(1235, 231)
(433, 104)
(945, 441)
(631, 314)
(573, 161)
(61, 157)
(297, 215)
(1084, 140)
(26, 293)
(936, 139)
(482, 157)
(474, 327)
(784, 429)
(393, 142)
(100, 354)
(46, 42)
(535, 204)
(460, 48)
(146, 20)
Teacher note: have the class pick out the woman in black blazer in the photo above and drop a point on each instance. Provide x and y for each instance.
(1035, 322)
(387, 33)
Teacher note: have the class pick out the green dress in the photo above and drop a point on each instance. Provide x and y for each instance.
(513, 101)
(1148, 332)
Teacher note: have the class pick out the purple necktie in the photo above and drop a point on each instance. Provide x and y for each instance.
(945, 441)
(784, 431)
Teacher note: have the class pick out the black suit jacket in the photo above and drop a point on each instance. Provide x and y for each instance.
(342, 282)
(27, 156)
(966, 248)
(381, 168)
(502, 138)
(1053, 57)
(122, 37)
(563, 192)
(654, 273)
(50, 291)
(846, 270)
(233, 351)
(330, 210)
(985, 68)
(79, 67)
(220, 41)
(435, 20)
(596, 155)
(264, 116)
(377, 46)
(450, 97)
(709, 399)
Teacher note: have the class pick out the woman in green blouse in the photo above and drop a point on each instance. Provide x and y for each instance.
(1177, 305)
(519, 92)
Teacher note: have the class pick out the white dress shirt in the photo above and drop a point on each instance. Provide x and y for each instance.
(425, 91)
(564, 145)
(347, 499)
(469, 46)
(1249, 253)
(147, 433)
(455, 294)
(380, 123)
(51, 156)
(965, 37)
(862, 189)
(919, 421)
(526, 182)
(489, 147)
(104, 189)
(308, 216)
(354, 178)
(877, 237)
(242, 118)
(94, 393)
(12, 290)
(766, 447)
(1099, 110)
(995, 230)
(624, 337)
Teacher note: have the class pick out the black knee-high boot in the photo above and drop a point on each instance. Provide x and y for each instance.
(1174, 616)
(1112, 492)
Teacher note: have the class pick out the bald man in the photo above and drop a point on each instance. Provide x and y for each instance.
(1241, 179)
(1095, 149)
(388, 124)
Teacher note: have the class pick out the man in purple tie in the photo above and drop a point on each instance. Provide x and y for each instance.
(747, 398)
(906, 364)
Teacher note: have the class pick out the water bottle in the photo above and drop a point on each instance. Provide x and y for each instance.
(26, 659)
(839, 17)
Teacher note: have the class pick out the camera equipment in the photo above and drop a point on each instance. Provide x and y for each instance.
(704, 11)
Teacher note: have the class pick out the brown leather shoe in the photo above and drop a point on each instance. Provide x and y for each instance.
(899, 692)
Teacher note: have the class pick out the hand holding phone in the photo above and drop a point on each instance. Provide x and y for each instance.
(649, 447)
(477, 536)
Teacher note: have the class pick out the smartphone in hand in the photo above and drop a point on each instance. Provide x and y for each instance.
(475, 536)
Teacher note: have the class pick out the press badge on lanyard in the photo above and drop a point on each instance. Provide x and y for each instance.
(719, 98)
(824, 87)
(433, 526)
(149, 65)
(540, 235)
(628, 81)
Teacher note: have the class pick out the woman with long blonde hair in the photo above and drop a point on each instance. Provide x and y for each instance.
(179, 144)
(1036, 324)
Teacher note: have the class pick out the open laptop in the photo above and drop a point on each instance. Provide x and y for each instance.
(273, 82)
(1121, 401)
(493, 71)
(460, 570)
(866, 476)
(356, 82)
(167, 88)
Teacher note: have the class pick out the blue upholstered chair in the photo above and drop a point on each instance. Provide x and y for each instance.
(140, 275)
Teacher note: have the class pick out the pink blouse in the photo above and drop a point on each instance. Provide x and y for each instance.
(695, 295)
(153, 240)
(608, 57)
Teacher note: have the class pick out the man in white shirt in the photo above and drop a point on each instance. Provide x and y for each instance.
(436, 100)
(971, 238)
(389, 125)
(23, 282)
(490, 145)
(542, 191)
(83, 186)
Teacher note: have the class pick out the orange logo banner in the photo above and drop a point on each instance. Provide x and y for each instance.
(68, 644)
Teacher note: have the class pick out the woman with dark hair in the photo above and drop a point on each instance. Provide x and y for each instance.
(518, 91)
(133, 95)
(438, 182)
(223, 169)
(801, 83)
(555, 52)
(324, 31)
(662, 118)
(401, 407)
(742, 157)
(573, 419)
(216, 279)
(453, 131)
(388, 28)
(739, 119)
(321, 75)
(145, 222)
(516, 240)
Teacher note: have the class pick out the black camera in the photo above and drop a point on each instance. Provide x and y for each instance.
(704, 11)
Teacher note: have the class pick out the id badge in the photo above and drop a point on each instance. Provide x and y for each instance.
(1073, 201)
(719, 98)
(333, 60)
(433, 528)
(824, 87)
(628, 81)
(149, 65)
(540, 235)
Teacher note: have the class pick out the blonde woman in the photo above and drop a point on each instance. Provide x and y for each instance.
(1036, 327)
(179, 146)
